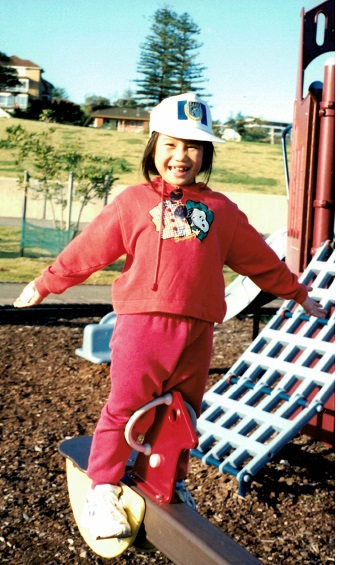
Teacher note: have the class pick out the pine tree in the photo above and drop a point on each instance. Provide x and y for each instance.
(8, 75)
(167, 58)
(188, 73)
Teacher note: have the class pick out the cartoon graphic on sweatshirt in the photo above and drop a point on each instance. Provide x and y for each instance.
(194, 221)
(199, 218)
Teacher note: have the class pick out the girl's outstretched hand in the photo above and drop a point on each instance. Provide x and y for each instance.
(29, 297)
(312, 307)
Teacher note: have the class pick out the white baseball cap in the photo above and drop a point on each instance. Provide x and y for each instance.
(184, 116)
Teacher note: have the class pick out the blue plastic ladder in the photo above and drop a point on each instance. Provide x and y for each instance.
(276, 387)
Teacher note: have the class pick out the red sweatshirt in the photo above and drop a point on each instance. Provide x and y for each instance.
(173, 265)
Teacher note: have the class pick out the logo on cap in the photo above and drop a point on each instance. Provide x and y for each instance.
(192, 110)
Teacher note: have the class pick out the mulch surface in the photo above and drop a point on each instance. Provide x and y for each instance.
(50, 393)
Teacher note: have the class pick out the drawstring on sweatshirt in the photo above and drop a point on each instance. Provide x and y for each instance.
(200, 187)
(158, 256)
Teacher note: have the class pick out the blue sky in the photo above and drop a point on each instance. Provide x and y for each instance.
(250, 47)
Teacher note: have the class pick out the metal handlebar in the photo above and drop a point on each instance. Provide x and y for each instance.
(285, 158)
(144, 448)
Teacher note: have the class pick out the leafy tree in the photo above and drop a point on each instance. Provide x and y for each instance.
(19, 141)
(67, 112)
(248, 133)
(167, 58)
(47, 115)
(256, 133)
(127, 100)
(95, 178)
(238, 124)
(59, 93)
(217, 127)
(59, 110)
(8, 75)
(94, 175)
(93, 103)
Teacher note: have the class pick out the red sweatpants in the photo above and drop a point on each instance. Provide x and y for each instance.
(151, 355)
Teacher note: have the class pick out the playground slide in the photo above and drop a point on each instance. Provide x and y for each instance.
(239, 294)
(242, 291)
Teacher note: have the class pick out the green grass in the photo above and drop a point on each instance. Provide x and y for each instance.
(88, 140)
(226, 176)
(238, 167)
(14, 268)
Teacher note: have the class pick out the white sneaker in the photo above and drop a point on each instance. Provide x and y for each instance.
(104, 514)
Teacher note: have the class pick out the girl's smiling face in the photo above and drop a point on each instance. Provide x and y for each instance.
(178, 161)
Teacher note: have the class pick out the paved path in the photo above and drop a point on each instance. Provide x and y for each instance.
(81, 294)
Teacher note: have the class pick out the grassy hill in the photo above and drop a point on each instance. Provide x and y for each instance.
(238, 167)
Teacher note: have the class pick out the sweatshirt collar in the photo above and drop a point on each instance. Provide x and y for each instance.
(164, 188)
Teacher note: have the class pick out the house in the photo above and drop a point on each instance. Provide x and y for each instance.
(122, 119)
(271, 128)
(32, 86)
(274, 128)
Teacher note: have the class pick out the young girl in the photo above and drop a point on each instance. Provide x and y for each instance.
(177, 235)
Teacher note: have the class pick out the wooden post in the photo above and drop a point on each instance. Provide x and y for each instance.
(23, 222)
(69, 200)
(107, 188)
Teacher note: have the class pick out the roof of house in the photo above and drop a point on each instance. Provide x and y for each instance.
(15, 61)
(116, 113)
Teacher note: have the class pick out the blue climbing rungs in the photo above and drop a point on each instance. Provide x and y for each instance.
(282, 380)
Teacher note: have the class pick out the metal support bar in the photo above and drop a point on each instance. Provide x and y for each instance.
(187, 538)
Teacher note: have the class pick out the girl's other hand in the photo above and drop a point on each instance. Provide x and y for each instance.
(29, 297)
(312, 307)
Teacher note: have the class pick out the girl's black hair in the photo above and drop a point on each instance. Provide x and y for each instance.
(148, 162)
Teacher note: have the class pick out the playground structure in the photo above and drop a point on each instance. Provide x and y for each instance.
(285, 380)
(281, 383)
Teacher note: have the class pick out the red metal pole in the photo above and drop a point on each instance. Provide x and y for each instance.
(323, 225)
